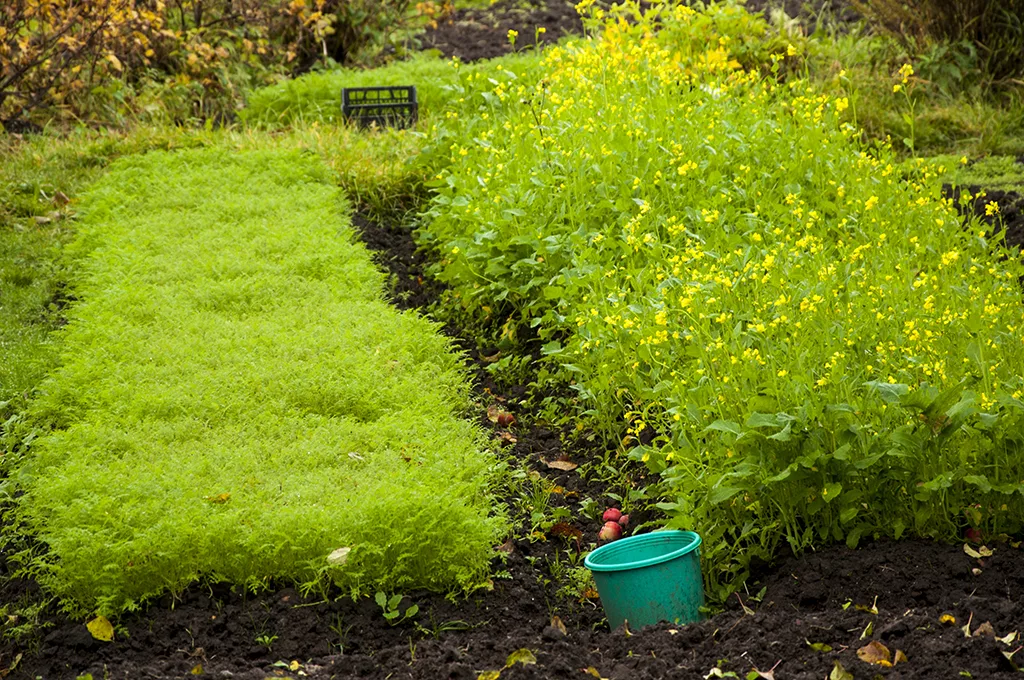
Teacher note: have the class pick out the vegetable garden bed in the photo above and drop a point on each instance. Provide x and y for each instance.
(811, 614)
(237, 402)
(684, 285)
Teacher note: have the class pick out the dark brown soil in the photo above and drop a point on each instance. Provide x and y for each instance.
(473, 34)
(483, 33)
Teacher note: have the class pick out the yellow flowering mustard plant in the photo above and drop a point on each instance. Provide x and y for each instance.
(810, 345)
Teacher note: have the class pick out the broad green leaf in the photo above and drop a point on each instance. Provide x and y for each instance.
(831, 491)
(722, 494)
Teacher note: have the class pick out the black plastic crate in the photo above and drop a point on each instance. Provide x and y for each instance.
(394, 106)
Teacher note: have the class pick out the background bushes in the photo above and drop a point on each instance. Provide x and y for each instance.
(990, 30)
(181, 60)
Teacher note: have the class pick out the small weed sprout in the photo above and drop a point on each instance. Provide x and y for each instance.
(390, 608)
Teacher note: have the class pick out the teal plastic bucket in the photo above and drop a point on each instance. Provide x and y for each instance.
(649, 578)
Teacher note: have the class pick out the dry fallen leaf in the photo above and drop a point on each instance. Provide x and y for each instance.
(875, 653)
(566, 531)
(565, 465)
(101, 629)
(984, 629)
(14, 664)
(507, 437)
(509, 546)
(339, 556)
(769, 674)
(900, 657)
(557, 624)
(979, 553)
(590, 670)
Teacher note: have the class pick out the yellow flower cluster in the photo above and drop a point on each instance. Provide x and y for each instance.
(708, 243)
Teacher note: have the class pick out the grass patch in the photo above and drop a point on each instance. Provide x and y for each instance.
(316, 97)
(1002, 173)
(235, 400)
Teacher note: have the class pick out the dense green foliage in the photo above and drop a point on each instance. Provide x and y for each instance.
(39, 179)
(812, 345)
(316, 97)
(988, 33)
(236, 400)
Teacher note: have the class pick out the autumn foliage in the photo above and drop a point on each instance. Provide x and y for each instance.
(100, 59)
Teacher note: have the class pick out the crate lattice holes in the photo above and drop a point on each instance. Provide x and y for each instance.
(394, 106)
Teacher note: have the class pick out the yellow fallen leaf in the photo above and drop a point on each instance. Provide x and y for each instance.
(523, 656)
(488, 675)
(979, 553)
(1008, 639)
(556, 623)
(900, 657)
(101, 629)
(947, 618)
(115, 61)
(219, 498)
(197, 669)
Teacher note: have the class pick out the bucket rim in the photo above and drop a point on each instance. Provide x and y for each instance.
(624, 544)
